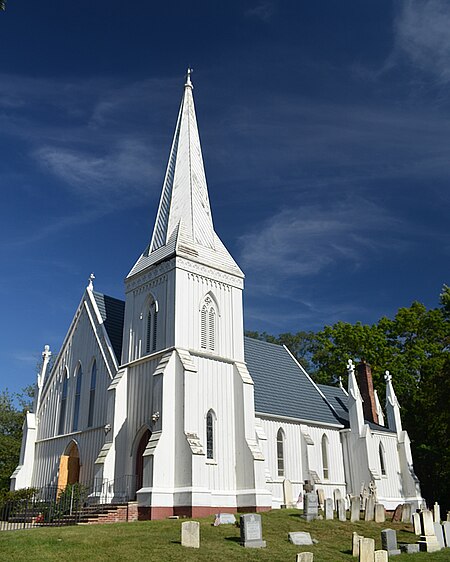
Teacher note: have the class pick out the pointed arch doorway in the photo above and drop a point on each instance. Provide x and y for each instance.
(69, 466)
(139, 464)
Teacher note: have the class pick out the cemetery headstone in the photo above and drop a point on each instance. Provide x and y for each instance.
(439, 534)
(224, 519)
(355, 509)
(380, 513)
(397, 517)
(288, 493)
(381, 556)
(340, 507)
(308, 487)
(311, 509)
(428, 541)
(251, 531)
(366, 550)
(446, 529)
(409, 548)
(406, 514)
(389, 542)
(321, 495)
(300, 538)
(355, 543)
(329, 514)
(370, 509)
(437, 512)
(416, 523)
(190, 534)
(305, 557)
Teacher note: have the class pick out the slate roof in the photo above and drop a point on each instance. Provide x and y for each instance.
(281, 387)
(112, 312)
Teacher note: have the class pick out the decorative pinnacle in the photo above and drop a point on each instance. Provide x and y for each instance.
(387, 376)
(91, 284)
(46, 352)
(350, 366)
(188, 77)
(340, 383)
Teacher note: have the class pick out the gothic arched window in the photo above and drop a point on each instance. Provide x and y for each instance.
(151, 327)
(62, 410)
(92, 394)
(280, 452)
(208, 324)
(325, 456)
(210, 435)
(76, 407)
(382, 459)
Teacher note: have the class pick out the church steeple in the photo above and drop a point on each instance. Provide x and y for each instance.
(184, 225)
(184, 200)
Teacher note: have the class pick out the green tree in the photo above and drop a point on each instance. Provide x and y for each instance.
(11, 420)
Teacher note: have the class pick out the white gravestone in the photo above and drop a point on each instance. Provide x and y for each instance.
(355, 509)
(224, 519)
(311, 510)
(406, 514)
(305, 557)
(251, 531)
(446, 529)
(300, 538)
(439, 534)
(340, 507)
(426, 519)
(370, 509)
(288, 494)
(380, 556)
(190, 534)
(355, 543)
(329, 514)
(366, 550)
(380, 513)
(437, 512)
(428, 541)
(389, 541)
(416, 524)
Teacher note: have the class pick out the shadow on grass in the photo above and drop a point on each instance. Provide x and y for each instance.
(175, 542)
(233, 539)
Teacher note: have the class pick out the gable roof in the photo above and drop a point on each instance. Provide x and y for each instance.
(112, 312)
(282, 388)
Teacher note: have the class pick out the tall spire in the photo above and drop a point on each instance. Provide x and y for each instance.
(184, 200)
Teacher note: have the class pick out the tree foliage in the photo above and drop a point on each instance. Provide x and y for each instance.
(11, 420)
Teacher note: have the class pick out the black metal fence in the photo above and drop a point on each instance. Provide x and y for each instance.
(52, 506)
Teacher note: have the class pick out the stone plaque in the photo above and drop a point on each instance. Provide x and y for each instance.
(311, 510)
(190, 534)
(224, 519)
(381, 556)
(300, 538)
(251, 531)
(366, 550)
(305, 557)
(409, 548)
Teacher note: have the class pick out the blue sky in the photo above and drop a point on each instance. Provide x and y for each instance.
(325, 129)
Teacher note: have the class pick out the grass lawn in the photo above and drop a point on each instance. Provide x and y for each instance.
(160, 541)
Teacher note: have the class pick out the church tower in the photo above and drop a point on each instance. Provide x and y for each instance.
(189, 421)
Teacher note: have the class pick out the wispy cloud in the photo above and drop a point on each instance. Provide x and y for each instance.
(263, 11)
(423, 36)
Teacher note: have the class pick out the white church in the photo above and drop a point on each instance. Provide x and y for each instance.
(162, 400)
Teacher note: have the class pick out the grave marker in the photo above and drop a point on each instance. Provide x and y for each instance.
(340, 507)
(251, 531)
(389, 541)
(190, 534)
(329, 513)
(370, 509)
(439, 534)
(355, 509)
(355, 543)
(311, 510)
(366, 550)
(381, 556)
(446, 529)
(300, 538)
(416, 523)
(305, 557)
(380, 513)
(437, 512)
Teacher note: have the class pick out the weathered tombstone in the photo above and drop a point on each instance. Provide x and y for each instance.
(397, 517)
(340, 507)
(437, 512)
(251, 531)
(321, 495)
(308, 487)
(305, 557)
(190, 534)
(428, 541)
(355, 509)
(366, 550)
(300, 538)
(380, 513)
(381, 556)
(311, 509)
(439, 534)
(406, 514)
(224, 519)
(288, 493)
(416, 523)
(389, 541)
(370, 509)
(329, 514)
(446, 529)
(409, 548)
(355, 543)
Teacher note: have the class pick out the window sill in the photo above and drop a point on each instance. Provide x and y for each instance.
(211, 461)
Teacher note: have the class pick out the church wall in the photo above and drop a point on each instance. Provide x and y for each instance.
(389, 487)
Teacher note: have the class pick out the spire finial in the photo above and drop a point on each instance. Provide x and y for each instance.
(188, 77)
(91, 284)
(350, 367)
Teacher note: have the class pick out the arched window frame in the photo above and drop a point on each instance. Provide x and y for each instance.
(208, 322)
(325, 457)
(210, 428)
(77, 398)
(280, 453)
(93, 386)
(382, 455)
(63, 403)
(151, 325)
